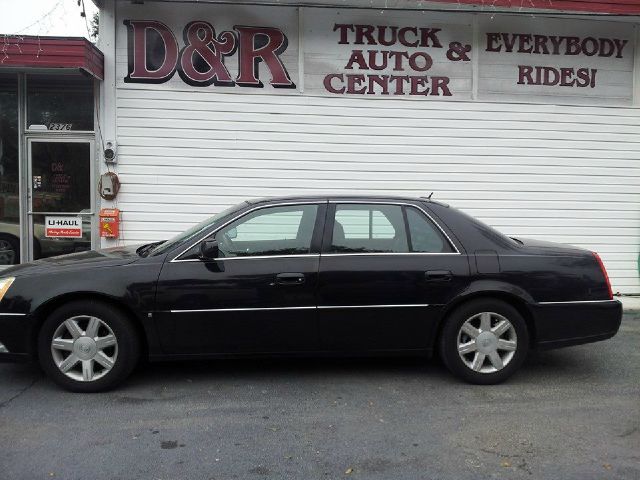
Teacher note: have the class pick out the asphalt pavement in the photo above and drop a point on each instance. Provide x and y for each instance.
(568, 414)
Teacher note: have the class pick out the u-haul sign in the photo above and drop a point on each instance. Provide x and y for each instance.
(63, 227)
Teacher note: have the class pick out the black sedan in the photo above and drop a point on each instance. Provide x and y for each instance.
(308, 276)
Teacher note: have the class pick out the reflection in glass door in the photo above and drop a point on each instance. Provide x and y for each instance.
(9, 171)
(60, 196)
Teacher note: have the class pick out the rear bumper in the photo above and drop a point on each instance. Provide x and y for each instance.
(574, 323)
(15, 334)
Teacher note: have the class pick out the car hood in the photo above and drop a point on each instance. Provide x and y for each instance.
(108, 257)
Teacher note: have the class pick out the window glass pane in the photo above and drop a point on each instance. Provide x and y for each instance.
(9, 198)
(60, 102)
(380, 225)
(61, 179)
(425, 236)
(269, 231)
(369, 228)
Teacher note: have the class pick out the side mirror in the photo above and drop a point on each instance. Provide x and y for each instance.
(209, 250)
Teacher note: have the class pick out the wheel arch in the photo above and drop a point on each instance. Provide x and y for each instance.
(516, 301)
(45, 309)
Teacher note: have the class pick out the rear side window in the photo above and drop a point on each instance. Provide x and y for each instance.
(425, 236)
(364, 228)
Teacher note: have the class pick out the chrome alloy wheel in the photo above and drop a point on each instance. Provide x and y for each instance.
(84, 348)
(487, 342)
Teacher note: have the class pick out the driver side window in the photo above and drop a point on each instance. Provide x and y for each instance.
(285, 230)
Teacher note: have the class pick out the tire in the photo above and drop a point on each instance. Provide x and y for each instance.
(478, 363)
(99, 363)
(10, 244)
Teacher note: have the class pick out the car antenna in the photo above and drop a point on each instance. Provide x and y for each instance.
(429, 197)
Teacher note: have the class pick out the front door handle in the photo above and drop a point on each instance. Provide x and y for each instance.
(438, 275)
(290, 279)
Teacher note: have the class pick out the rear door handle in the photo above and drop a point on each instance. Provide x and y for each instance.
(290, 279)
(438, 275)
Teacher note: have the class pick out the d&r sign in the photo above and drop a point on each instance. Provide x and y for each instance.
(201, 61)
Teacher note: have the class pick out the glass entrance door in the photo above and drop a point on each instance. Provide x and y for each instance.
(61, 198)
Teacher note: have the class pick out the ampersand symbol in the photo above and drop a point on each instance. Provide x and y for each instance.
(200, 38)
(458, 52)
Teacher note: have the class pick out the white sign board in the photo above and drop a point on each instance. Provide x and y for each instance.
(62, 227)
(229, 48)
(372, 53)
(397, 54)
(550, 59)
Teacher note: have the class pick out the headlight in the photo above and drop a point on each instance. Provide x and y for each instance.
(5, 283)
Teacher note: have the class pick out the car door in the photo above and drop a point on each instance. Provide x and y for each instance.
(258, 296)
(385, 272)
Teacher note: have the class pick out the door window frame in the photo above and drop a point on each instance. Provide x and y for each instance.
(24, 159)
(327, 238)
(26, 229)
(316, 237)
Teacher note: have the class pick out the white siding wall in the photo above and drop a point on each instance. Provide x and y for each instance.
(568, 174)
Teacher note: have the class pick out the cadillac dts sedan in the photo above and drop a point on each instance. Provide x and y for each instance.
(308, 276)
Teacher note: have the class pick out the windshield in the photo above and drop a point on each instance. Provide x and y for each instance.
(194, 231)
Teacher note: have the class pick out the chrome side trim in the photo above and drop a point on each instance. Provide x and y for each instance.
(302, 255)
(318, 255)
(577, 301)
(260, 207)
(408, 305)
(242, 309)
(386, 253)
(253, 309)
(2, 314)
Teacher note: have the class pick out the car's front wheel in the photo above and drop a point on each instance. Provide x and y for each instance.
(484, 341)
(9, 250)
(88, 346)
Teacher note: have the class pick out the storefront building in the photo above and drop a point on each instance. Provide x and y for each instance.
(48, 93)
(524, 117)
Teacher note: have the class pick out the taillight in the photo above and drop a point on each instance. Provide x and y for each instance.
(604, 272)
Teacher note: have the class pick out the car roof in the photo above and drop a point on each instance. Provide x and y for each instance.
(364, 198)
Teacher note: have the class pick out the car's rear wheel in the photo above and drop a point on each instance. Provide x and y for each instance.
(484, 341)
(88, 346)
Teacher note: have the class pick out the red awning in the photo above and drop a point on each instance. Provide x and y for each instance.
(51, 52)
(612, 7)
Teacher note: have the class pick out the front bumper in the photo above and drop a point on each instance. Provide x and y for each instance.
(574, 323)
(16, 332)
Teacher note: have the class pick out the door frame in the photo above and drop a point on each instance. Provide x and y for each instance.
(168, 317)
(26, 227)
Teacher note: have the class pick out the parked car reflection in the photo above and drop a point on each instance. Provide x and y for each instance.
(43, 246)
